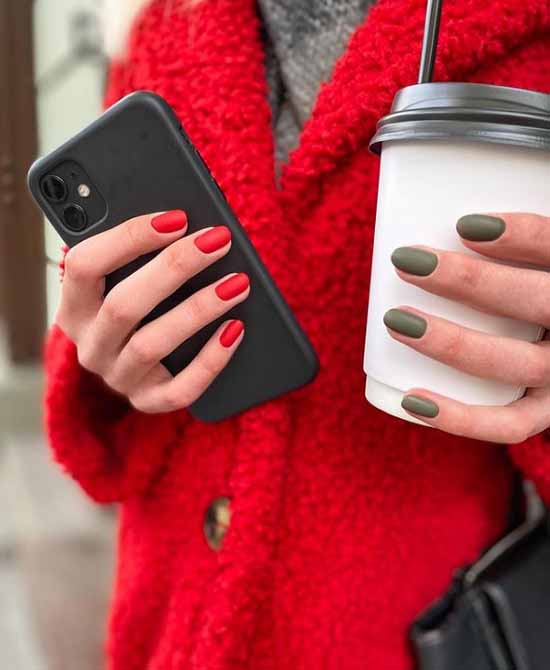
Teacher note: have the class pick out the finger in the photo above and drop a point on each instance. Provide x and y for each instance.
(493, 288)
(192, 382)
(508, 424)
(514, 237)
(151, 343)
(132, 299)
(503, 359)
(87, 264)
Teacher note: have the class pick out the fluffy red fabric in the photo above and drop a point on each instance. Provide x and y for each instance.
(346, 522)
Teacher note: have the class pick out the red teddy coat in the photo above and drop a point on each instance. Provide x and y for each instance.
(346, 522)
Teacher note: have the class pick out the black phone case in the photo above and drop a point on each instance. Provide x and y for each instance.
(140, 160)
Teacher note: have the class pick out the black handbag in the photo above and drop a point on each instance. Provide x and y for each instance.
(496, 615)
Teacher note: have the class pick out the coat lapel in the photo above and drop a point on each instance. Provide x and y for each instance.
(383, 56)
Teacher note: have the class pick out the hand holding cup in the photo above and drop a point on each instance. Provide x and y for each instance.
(522, 293)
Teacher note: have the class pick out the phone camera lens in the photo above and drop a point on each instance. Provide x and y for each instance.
(75, 217)
(54, 188)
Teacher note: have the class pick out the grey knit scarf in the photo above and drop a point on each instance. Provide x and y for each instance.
(303, 39)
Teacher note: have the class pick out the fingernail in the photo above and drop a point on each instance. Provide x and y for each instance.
(233, 286)
(169, 222)
(414, 261)
(231, 334)
(213, 240)
(420, 406)
(480, 228)
(405, 323)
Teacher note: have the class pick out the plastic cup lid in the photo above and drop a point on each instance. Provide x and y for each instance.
(469, 112)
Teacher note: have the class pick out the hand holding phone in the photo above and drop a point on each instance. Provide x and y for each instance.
(136, 290)
(106, 332)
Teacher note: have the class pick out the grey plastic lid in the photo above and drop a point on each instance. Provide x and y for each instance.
(469, 112)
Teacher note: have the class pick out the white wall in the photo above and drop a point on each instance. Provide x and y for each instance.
(69, 94)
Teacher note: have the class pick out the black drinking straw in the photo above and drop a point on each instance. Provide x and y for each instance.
(429, 44)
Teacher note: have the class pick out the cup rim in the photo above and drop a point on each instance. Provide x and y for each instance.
(472, 112)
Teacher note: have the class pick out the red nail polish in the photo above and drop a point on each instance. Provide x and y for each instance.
(231, 334)
(213, 240)
(169, 222)
(233, 286)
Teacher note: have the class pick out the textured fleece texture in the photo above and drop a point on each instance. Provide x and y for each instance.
(303, 40)
(346, 522)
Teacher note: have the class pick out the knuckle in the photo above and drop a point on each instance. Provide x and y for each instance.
(518, 434)
(466, 422)
(535, 224)
(535, 371)
(135, 234)
(176, 260)
(453, 345)
(78, 266)
(86, 358)
(175, 398)
(194, 308)
(141, 351)
(539, 231)
(519, 428)
(141, 404)
(112, 380)
(468, 273)
(118, 311)
(210, 367)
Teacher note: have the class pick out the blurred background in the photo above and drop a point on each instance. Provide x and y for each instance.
(55, 547)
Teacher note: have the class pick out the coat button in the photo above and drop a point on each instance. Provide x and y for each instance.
(217, 521)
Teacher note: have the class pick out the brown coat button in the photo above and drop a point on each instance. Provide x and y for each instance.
(217, 521)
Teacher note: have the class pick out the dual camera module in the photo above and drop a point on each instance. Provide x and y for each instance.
(56, 192)
(69, 191)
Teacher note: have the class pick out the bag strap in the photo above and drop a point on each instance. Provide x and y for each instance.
(517, 511)
(526, 503)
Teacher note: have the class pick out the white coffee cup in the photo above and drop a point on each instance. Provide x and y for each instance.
(448, 150)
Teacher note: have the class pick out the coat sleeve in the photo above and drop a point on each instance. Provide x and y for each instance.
(112, 450)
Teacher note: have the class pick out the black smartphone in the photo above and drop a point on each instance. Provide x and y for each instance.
(137, 159)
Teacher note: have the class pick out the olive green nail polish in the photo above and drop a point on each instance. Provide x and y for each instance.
(414, 261)
(405, 323)
(480, 228)
(420, 406)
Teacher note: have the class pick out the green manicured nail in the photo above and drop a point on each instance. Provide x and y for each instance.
(480, 228)
(420, 406)
(405, 323)
(414, 261)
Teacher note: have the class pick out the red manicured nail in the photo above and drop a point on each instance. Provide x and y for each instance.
(213, 240)
(231, 334)
(233, 286)
(169, 222)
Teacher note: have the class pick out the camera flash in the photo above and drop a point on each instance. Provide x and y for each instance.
(84, 191)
